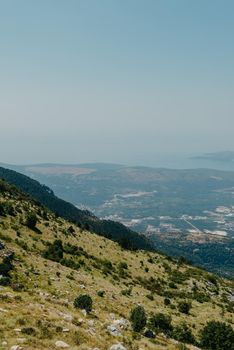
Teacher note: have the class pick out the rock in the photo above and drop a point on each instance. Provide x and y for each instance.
(61, 344)
(117, 347)
(149, 334)
(2, 245)
(16, 347)
(3, 310)
(67, 317)
(80, 321)
(84, 312)
(91, 323)
(66, 330)
(113, 330)
(4, 343)
(122, 323)
(17, 330)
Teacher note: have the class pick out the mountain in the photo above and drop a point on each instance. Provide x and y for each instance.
(62, 286)
(183, 212)
(83, 218)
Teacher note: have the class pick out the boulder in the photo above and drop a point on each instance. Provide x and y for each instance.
(61, 344)
(118, 346)
(149, 334)
(113, 330)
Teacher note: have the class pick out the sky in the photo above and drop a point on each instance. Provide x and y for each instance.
(115, 80)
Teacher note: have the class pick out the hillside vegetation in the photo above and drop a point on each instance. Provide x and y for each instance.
(82, 218)
(64, 286)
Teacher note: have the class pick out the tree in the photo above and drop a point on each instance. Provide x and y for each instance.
(83, 302)
(138, 318)
(217, 336)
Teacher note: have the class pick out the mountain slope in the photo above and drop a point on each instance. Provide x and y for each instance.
(41, 281)
(46, 197)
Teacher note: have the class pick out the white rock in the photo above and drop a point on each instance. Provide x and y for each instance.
(122, 323)
(66, 330)
(113, 330)
(91, 323)
(4, 343)
(117, 347)
(67, 317)
(16, 347)
(17, 330)
(61, 344)
(3, 310)
(84, 312)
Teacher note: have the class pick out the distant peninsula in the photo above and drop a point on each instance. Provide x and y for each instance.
(225, 156)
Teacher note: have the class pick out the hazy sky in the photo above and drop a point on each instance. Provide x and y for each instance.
(115, 80)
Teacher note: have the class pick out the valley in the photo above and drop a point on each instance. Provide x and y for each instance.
(183, 212)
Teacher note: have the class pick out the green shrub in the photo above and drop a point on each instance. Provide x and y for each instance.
(83, 302)
(184, 307)
(127, 292)
(138, 318)
(6, 266)
(161, 322)
(167, 301)
(123, 265)
(183, 334)
(217, 336)
(31, 220)
(5, 281)
(101, 293)
(28, 331)
(54, 251)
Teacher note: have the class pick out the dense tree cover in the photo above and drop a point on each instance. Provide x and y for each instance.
(110, 229)
(217, 336)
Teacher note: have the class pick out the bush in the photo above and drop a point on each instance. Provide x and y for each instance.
(123, 265)
(55, 251)
(217, 336)
(31, 221)
(101, 293)
(161, 322)
(183, 334)
(28, 331)
(5, 281)
(6, 266)
(138, 318)
(167, 301)
(184, 307)
(83, 302)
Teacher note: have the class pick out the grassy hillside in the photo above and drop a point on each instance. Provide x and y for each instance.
(83, 218)
(47, 262)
